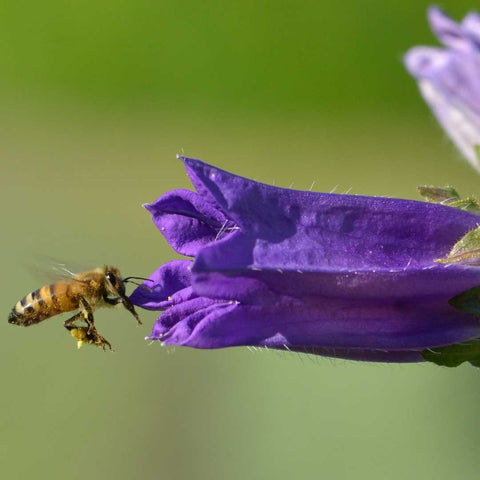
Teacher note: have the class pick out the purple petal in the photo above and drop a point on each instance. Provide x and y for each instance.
(258, 286)
(450, 33)
(294, 230)
(459, 121)
(426, 62)
(449, 79)
(196, 182)
(319, 322)
(471, 27)
(169, 284)
(177, 322)
(450, 84)
(187, 221)
(336, 245)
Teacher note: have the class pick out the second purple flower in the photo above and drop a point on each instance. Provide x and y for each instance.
(449, 79)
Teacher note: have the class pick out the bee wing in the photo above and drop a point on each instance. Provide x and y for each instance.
(50, 270)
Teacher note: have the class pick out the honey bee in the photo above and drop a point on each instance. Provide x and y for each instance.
(86, 291)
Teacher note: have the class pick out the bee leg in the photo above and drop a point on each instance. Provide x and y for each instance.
(112, 301)
(68, 324)
(87, 313)
(92, 334)
(100, 341)
(126, 303)
(83, 337)
(76, 330)
(129, 306)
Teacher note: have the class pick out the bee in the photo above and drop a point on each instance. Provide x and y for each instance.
(86, 291)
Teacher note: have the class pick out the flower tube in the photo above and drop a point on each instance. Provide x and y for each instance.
(337, 275)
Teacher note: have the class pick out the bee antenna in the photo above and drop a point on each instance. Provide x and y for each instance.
(137, 278)
(127, 280)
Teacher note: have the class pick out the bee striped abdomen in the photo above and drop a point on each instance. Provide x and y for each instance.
(43, 303)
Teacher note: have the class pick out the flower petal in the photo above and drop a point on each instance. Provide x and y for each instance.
(319, 322)
(169, 284)
(426, 62)
(294, 230)
(187, 221)
(441, 282)
(177, 323)
(471, 27)
(460, 123)
(196, 181)
(449, 79)
(450, 33)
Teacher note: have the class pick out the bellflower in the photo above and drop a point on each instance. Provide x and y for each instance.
(449, 79)
(337, 275)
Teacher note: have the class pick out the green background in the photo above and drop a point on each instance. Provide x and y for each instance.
(97, 99)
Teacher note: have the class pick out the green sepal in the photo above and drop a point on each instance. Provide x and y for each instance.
(449, 196)
(455, 355)
(467, 248)
(438, 194)
(468, 301)
(470, 204)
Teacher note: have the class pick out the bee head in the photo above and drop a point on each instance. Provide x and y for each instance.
(115, 286)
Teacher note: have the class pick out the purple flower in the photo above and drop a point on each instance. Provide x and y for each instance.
(449, 78)
(336, 275)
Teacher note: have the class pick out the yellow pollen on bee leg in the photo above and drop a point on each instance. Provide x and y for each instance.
(80, 335)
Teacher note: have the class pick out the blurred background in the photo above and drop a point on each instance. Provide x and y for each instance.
(97, 99)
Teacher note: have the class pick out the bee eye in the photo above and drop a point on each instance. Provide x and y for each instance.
(111, 278)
